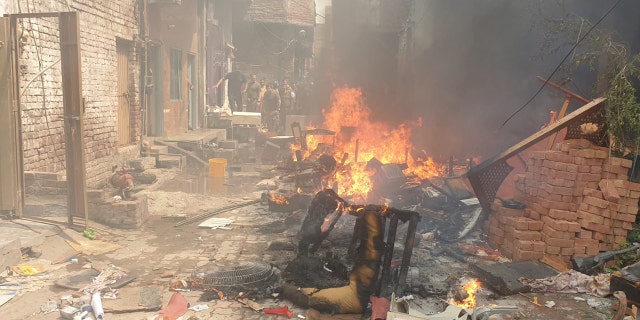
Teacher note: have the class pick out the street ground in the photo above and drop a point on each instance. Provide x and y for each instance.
(161, 254)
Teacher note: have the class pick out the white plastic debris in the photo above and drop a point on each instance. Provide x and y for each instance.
(579, 299)
(199, 307)
(549, 304)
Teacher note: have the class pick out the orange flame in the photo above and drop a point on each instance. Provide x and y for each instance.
(471, 287)
(278, 199)
(350, 117)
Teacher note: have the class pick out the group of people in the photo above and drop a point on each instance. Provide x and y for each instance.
(273, 100)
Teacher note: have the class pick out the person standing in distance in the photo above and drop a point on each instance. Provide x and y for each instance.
(235, 87)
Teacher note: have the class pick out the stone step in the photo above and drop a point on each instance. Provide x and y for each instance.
(158, 150)
(171, 161)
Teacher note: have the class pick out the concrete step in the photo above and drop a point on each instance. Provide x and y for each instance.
(158, 150)
(171, 161)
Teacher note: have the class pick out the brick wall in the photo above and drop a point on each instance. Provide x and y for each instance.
(579, 203)
(102, 24)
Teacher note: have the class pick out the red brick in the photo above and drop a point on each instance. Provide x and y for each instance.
(523, 245)
(592, 193)
(552, 249)
(626, 217)
(551, 232)
(596, 169)
(588, 176)
(606, 247)
(600, 203)
(602, 228)
(593, 250)
(554, 223)
(585, 234)
(527, 235)
(583, 169)
(627, 225)
(535, 225)
(609, 192)
(555, 242)
(539, 246)
(579, 251)
(573, 227)
(619, 232)
(586, 242)
(524, 255)
(566, 251)
(563, 215)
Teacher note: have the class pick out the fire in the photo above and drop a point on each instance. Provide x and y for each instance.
(359, 139)
(278, 198)
(471, 287)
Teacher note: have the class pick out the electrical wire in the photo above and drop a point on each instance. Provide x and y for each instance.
(561, 62)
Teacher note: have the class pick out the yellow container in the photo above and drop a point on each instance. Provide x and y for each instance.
(217, 167)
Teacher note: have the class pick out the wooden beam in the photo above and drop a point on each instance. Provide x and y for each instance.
(10, 190)
(563, 89)
(73, 115)
(536, 137)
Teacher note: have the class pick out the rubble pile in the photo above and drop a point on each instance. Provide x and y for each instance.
(578, 202)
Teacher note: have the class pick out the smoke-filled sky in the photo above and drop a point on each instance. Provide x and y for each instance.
(475, 63)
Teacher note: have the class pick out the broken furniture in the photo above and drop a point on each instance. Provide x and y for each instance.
(487, 177)
(627, 280)
(318, 224)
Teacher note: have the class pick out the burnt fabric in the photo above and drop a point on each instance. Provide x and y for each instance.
(354, 297)
(323, 203)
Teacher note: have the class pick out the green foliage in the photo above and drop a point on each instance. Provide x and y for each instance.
(618, 74)
(623, 112)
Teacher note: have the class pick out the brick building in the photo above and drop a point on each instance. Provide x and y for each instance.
(110, 83)
(274, 38)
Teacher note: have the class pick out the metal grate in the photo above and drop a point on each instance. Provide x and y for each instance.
(487, 182)
(232, 276)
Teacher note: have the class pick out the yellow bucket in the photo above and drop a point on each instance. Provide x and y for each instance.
(217, 167)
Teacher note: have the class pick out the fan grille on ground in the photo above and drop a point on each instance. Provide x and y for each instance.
(232, 276)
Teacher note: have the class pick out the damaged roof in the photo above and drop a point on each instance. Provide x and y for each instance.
(294, 12)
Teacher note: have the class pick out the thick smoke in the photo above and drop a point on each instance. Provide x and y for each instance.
(470, 66)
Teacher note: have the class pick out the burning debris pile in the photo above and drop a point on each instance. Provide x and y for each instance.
(369, 162)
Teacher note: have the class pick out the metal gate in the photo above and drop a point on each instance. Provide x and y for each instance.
(124, 109)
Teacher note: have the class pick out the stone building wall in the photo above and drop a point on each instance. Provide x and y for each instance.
(103, 24)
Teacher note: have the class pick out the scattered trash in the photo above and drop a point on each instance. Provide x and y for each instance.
(301, 316)
(180, 285)
(251, 304)
(89, 233)
(579, 299)
(549, 304)
(49, 306)
(27, 270)
(284, 311)
(111, 294)
(199, 307)
(177, 306)
(96, 304)
(67, 312)
(216, 223)
(117, 198)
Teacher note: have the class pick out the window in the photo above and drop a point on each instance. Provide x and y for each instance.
(176, 74)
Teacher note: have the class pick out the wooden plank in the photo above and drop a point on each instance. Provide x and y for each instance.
(73, 115)
(9, 187)
(536, 137)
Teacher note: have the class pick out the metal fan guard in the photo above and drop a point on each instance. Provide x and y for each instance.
(233, 276)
